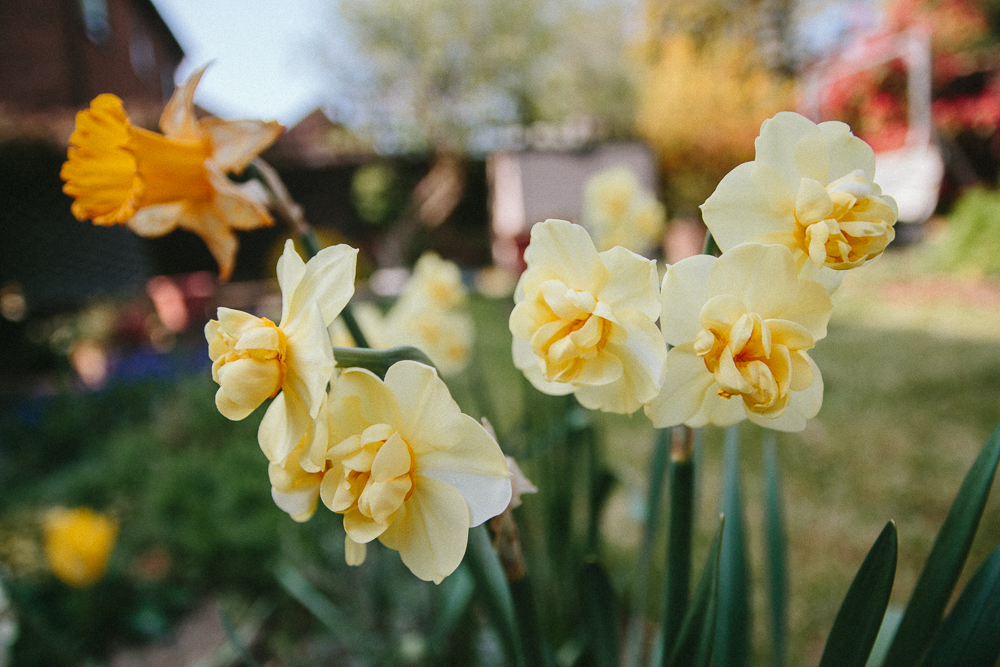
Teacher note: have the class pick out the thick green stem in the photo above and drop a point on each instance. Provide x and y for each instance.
(377, 361)
(678, 572)
(492, 582)
(640, 586)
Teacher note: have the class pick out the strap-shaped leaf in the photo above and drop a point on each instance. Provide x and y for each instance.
(732, 631)
(860, 616)
(776, 550)
(599, 613)
(944, 564)
(970, 635)
(697, 634)
(678, 570)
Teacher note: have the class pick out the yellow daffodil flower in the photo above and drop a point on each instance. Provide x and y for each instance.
(617, 211)
(118, 173)
(78, 544)
(584, 322)
(435, 283)
(740, 327)
(810, 188)
(253, 359)
(408, 468)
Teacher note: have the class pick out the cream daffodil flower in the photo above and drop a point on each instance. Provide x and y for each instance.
(408, 468)
(253, 359)
(118, 173)
(584, 322)
(810, 188)
(618, 211)
(740, 327)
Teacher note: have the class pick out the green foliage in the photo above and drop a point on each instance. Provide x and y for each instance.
(857, 624)
(972, 243)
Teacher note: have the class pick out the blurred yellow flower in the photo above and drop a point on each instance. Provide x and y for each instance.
(740, 327)
(617, 211)
(429, 314)
(253, 359)
(810, 188)
(78, 544)
(584, 322)
(118, 173)
(407, 467)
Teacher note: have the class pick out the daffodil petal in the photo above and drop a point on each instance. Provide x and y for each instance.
(372, 397)
(566, 252)
(763, 277)
(634, 282)
(284, 424)
(178, 120)
(739, 211)
(328, 282)
(155, 221)
(685, 381)
(685, 292)
(204, 221)
(431, 529)
(526, 361)
(475, 466)
(802, 406)
(235, 143)
(847, 152)
(290, 270)
(427, 412)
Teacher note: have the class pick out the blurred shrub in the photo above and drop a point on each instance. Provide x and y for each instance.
(972, 241)
(701, 107)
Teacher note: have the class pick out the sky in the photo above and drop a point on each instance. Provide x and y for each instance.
(264, 54)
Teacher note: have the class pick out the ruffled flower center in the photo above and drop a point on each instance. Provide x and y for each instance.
(760, 360)
(250, 367)
(843, 224)
(569, 334)
(115, 168)
(378, 476)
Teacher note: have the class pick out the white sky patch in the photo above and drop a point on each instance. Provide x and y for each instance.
(262, 54)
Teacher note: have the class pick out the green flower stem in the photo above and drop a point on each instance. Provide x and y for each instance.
(377, 361)
(492, 582)
(678, 570)
(710, 247)
(637, 621)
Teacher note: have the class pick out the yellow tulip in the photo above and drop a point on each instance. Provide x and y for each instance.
(118, 173)
(406, 467)
(810, 188)
(740, 327)
(585, 322)
(78, 544)
(253, 359)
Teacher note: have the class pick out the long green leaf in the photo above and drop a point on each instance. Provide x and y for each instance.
(776, 550)
(697, 633)
(732, 631)
(492, 583)
(861, 613)
(944, 564)
(970, 635)
(678, 568)
(599, 612)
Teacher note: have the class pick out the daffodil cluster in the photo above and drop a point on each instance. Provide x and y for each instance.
(739, 327)
(395, 456)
